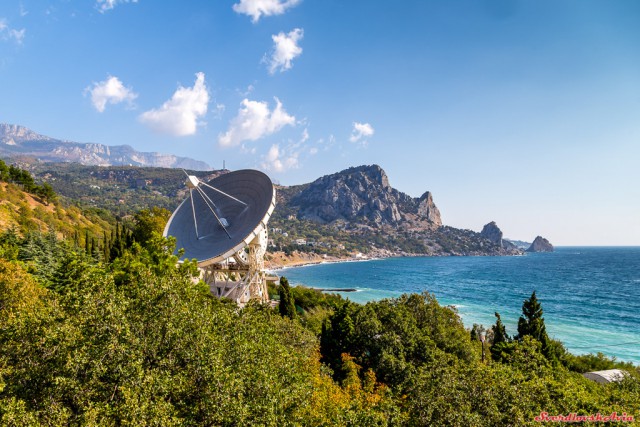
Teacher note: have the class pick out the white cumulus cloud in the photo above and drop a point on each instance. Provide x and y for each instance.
(255, 121)
(279, 161)
(285, 49)
(257, 8)
(17, 35)
(179, 115)
(11, 34)
(105, 5)
(110, 91)
(361, 131)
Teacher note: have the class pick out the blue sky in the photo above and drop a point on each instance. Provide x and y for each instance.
(522, 112)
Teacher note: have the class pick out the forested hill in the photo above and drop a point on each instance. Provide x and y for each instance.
(122, 190)
(133, 339)
(369, 216)
(28, 206)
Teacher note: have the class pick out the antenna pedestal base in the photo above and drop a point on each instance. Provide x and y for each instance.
(240, 278)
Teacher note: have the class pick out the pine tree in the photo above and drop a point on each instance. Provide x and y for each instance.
(499, 331)
(531, 322)
(287, 306)
(501, 339)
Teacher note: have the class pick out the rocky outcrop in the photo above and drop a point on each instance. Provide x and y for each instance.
(19, 141)
(492, 233)
(363, 194)
(428, 210)
(540, 244)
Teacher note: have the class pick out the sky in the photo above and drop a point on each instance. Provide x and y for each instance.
(526, 113)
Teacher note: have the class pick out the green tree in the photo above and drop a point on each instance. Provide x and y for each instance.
(149, 221)
(4, 171)
(337, 338)
(499, 331)
(9, 244)
(45, 191)
(531, 323)
(286, 307)
(500, 338)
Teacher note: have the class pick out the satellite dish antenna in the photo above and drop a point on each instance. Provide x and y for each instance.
(223, 225)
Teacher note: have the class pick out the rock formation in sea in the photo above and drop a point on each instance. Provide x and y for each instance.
(540, 244)
(492, 233)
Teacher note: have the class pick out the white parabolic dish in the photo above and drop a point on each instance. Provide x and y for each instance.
(221, 217)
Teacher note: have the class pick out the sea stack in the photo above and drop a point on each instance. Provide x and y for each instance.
(540, 244)
(492, 233)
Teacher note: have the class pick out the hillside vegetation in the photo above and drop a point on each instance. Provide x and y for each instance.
(27, 206)
(99, 325)
(373, 218)
(133, 339)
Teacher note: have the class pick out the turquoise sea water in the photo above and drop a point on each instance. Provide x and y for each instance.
(590, 295)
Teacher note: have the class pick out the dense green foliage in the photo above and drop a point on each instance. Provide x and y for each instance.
(137, 342)
(111, 330)
(122, 190)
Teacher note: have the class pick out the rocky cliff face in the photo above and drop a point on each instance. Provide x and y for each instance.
(19, 141)
(428, 210)
(363, 194)
(492, 233)
(540, 244)
(360, 203)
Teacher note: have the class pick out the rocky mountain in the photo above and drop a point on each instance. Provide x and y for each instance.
(341, 214)
(18, 141)
(493, 233)
(360, 202)
(540, 244)
(363, 194)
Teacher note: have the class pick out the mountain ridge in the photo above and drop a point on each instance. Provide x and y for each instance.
(360, 202)
(351, 211)
(20, 141)
(363, 192)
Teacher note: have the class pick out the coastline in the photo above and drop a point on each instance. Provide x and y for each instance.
(279, 261)
(479, 286)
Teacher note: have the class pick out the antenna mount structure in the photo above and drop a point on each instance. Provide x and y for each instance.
(223, 225)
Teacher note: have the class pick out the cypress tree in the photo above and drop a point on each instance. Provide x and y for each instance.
(106, 246)
(287, 306)
(95, 249)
